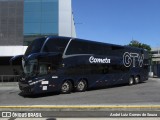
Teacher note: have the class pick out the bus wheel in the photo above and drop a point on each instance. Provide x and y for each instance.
(137, 79)
(131, 81)
(66, 87)
(81, 86)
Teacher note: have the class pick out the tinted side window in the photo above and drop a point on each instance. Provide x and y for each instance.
(117, 50)
(55, 45)
(90, 47)
(77, 47)
(35, 46)
(96, 48)
(87, 47)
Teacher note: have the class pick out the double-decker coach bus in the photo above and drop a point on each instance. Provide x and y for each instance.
(65, 64)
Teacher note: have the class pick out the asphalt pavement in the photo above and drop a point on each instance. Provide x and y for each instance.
(141, 97)
(147, 93)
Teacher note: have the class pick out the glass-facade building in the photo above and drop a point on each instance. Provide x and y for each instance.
(11, 22)
(40, 18)
(21, 21)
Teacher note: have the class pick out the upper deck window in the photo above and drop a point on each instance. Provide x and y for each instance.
(35, 46)
(56, 45)
(90, 47)
(77, 47)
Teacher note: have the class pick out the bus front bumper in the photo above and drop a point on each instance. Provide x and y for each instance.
(26, 88)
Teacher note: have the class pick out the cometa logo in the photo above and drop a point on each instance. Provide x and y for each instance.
(99, 60)
(130, 59)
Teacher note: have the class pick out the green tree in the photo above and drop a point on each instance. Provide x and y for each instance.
(135, 43)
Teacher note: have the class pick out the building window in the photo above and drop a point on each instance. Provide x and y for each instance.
(40, 18)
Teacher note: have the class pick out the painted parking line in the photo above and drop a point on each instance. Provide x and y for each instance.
(84, 106)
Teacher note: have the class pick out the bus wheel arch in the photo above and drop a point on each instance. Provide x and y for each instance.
(82, 85)
(137, 79)
(66, 87)
(131, 80)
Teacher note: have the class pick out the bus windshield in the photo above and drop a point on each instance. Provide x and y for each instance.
(34, 68)
(30, 68)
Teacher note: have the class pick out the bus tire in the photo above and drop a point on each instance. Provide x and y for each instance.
(66, 87)
(81, 86)
(131, 80)
(137, 79)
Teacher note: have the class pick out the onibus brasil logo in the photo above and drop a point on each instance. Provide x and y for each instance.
(130, 59)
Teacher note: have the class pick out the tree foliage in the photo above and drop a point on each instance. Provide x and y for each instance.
(135, 43)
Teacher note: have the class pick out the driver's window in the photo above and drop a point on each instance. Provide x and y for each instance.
(43, 69)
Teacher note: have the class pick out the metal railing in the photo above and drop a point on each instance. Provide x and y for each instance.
(9, 78)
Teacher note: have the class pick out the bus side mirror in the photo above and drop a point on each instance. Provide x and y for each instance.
(16, 60)
(16, 63)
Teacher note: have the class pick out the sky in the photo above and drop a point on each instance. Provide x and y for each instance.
(118, 21)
